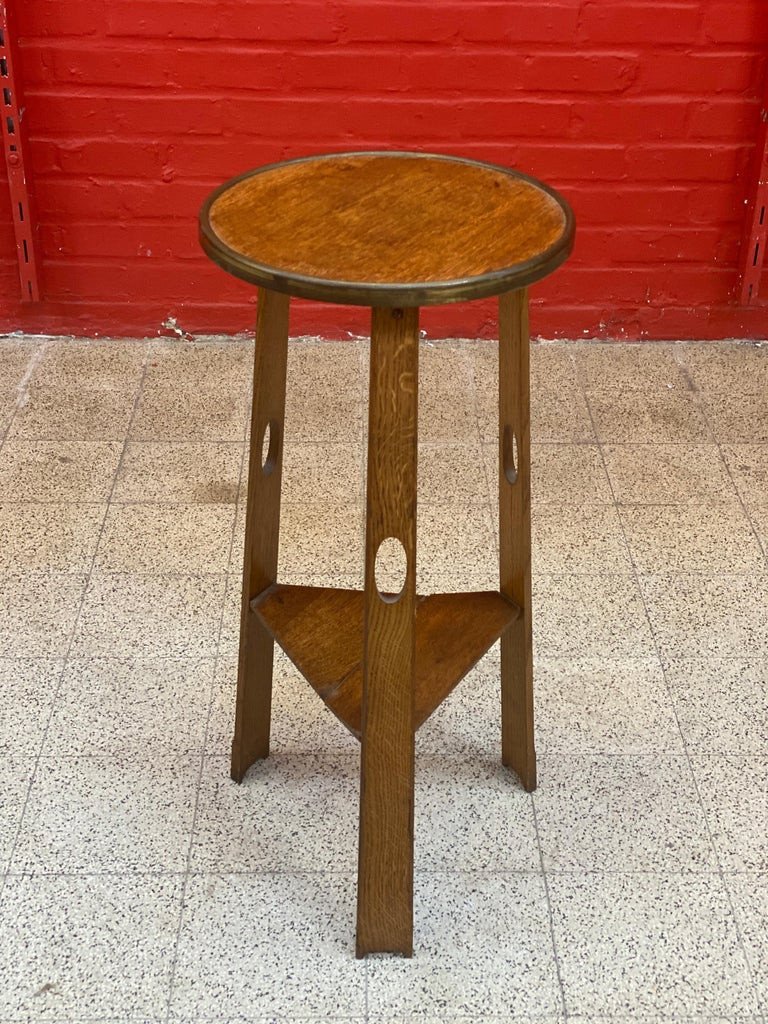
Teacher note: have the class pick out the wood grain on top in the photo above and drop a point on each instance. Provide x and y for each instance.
(386, 228)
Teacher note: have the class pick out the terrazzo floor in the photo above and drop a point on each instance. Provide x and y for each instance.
(139, 883)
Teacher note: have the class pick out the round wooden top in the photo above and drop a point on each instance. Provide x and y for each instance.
(387, 229)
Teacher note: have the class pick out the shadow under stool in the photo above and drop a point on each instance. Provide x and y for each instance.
(393, 231)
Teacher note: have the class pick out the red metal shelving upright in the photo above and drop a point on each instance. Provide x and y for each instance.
(756, 241)
(11, 113)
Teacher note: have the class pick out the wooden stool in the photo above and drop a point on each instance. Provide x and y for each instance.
(393, 231)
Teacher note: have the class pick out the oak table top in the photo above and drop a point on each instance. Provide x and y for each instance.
(387, 228)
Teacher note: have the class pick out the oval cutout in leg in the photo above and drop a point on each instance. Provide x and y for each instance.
(390, 569)
(269, 447)
(509, 454)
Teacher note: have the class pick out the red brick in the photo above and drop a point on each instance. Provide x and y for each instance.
(725, 119)
(700, 73)
(736, 22)
(688, 162)
(608, 21)
(629, 120)
(286, 20)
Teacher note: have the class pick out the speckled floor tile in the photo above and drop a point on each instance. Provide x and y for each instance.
(75, 411)
(640, 367)
(654, 414)
(27, 689)
(599, 706)
(726, 367)
(738, 416)
(188, 473)
(701, 615)
(89, 815)
(590, 616)
(472, 815)
(586, 539)
(59, 537)
(292, 812)
(734, 791)
(15, 775)
(550, 365)
(643, 944)
(38, 611)
(56, 471)
(748, 464)
(468, 722)
(456, 549)
(443, 1019)
(721, 704)
(482, 947)
(451, 474)
(628, 813)
(98, 947)
(691, 538)
(166, 538)
(331, 473)
(127, 708)
(170, 412)
(208, 364)
(447, 412)
(557, 414)
(571, 474)
(7, 409)
(114, 364)
(668, 474)
(750, 898)
(758, 516)
(317, 538)
(300, 720)
(258, 945)
(323, 398)
(145, 616)
(15, 357)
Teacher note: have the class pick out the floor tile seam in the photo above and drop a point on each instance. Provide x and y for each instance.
(686, 751)
(37, 353)
(65, 655)
(550, 913)
(699, 398)
(351, 873)
(245, 456)
(637, 576)
(755, 533)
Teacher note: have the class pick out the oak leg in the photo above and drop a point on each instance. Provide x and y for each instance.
(517, 739)
(262, 528)
(385, 876)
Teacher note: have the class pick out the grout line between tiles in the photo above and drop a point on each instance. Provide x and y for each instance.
(550, 914)
(742, 944)
(686, 750)
(211, 698)
(73, 632)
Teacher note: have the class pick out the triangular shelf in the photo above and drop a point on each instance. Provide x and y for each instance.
(321, 631)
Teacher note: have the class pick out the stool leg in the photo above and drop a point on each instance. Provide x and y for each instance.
(517, 740)
(385, 876)
(262, 527)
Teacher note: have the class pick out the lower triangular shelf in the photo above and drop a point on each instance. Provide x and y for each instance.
(321, 631)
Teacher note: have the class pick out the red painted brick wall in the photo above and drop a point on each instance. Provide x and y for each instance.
(643, 112)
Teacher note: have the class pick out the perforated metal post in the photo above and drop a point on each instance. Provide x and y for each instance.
(756, 241)
(18, 180)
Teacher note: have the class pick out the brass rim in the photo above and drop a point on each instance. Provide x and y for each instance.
(357, 293)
